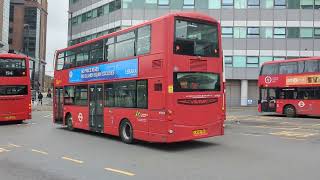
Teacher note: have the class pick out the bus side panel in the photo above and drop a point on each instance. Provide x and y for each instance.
(138, 119)
(80, 116)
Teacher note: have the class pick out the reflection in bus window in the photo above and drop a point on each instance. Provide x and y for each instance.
(311, 66)
(288, 68)
(13, 90)
(196, 39)
(185, 82)
(69, 93)
(270, 69)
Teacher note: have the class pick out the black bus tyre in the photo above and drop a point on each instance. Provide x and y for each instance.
(126, 132)
(69, 123)
(290, 111)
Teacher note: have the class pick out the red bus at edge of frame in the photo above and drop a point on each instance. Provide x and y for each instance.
(290, 87)
(15, 90)
(169, 88)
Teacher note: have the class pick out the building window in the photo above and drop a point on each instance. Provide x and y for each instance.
(228, 60)
(265, 59)
(316, 4)
(214, 4)
(266, 33)
(240, 4)
(306, 32)
(293, 32)
(278, 58)
(294, 4)
(239, 61)
(252, 61)
(253, 3)
(227, 3)
(239, 32)
(279, 33)
(127, 4)
(253, 32)
(163, 2)
(74, 1)
(306, 4)
(267, 4)
(317, 33)
(227, 32)
(188, 4)
(280, 4)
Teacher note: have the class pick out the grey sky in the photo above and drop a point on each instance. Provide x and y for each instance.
(57, 30)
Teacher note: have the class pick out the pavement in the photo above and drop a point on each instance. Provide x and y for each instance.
(46, 105)
(255, 146)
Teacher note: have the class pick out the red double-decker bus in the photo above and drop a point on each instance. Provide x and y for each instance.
(160, 81)
(15, 94)
(290, 87)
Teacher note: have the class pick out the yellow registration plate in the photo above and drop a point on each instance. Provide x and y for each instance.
(10, 117)
(200, 132)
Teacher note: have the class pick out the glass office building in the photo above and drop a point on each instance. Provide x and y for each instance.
(4, 25)
(254, 31)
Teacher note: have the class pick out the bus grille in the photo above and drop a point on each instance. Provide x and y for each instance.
(198, 65)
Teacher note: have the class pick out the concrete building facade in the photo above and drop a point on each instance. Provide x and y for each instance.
(254, 31)
(4, 25)
(27, 35)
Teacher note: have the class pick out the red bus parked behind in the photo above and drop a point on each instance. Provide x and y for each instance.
(15, 94)
(160, 81)
(290, 87)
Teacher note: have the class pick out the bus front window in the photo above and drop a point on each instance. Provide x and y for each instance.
(13, 90)
(196, 39)
(191, 82)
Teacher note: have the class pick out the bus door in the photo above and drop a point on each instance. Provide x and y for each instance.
(96, 108)
(268, 99)
(58, 106)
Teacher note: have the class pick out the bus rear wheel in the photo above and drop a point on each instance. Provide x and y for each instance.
(126, 132)
(290, 111)
(69, 123)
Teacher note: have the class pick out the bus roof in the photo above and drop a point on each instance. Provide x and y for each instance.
(291, 60)
(176, 14)
(9, 55)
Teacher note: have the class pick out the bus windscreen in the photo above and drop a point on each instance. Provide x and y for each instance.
(12, 67)
(196, 39)
(13, 90)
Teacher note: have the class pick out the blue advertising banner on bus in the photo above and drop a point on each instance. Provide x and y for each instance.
(116, 70)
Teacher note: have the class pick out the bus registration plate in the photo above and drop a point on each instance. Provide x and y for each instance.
(10, 117)
(200, 132)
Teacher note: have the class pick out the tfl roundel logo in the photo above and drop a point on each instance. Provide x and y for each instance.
(268, 79)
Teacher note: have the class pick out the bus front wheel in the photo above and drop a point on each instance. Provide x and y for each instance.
(126, 132)
(290, 111)
(69, 122)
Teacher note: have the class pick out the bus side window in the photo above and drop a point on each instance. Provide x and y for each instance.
(142, 94)
(69, 95)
